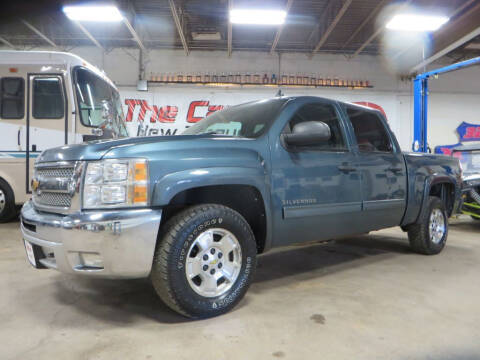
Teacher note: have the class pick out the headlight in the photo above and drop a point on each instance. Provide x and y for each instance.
(116, 183)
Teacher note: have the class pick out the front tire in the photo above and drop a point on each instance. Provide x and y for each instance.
(7, 202)
(429, 235)
(205, 261)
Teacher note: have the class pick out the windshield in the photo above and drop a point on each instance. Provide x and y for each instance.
(94, 96)
(470, 161)
(248, 120)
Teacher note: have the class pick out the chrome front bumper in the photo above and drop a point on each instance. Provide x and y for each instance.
(121, 242)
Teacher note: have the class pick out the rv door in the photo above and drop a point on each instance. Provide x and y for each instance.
(47, 124)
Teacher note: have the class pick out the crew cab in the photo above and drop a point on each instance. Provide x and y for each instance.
(193, 211)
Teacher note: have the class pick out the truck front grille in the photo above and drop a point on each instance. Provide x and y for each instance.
(52, 172)
(54, 199)
(55, 186)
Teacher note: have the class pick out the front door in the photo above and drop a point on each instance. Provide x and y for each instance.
(315, 189)
(382, 170)
(46, 122)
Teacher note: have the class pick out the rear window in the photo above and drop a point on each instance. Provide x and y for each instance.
(12, 98)
(369, 131)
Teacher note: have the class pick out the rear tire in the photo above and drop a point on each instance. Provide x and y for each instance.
(7, 202)
(205, 261)
(429, 235)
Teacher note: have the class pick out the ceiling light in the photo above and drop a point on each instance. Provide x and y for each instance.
(257, 17)
(100, 13)
(414, 22)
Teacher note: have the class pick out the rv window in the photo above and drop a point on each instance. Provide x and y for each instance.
(12, 101)
(47, 98)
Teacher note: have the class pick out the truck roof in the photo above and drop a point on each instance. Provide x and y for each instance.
(69, 60)
(363, 107)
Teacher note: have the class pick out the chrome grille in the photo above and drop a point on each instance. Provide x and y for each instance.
(54, 186)
(54, 199)
(52, 172)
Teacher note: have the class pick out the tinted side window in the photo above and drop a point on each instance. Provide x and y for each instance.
(47, 98)
(327, 114)
(12, 101)
(369, 131)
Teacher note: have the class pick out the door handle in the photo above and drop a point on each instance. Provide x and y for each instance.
(18, 136)
(346, 168)
(394, 169)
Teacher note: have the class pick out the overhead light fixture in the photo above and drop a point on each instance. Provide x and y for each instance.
(98, 13)
(417, 23)
(257, 16)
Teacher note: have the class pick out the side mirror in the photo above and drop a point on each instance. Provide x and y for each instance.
(308, 133)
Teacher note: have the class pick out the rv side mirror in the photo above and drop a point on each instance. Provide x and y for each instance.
(308, 133)
(97, 132)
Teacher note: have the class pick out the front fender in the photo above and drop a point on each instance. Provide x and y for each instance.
(171, 184)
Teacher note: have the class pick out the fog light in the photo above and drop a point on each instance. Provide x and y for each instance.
(92, 260)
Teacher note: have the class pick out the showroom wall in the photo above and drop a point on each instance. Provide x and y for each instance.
(453, 100)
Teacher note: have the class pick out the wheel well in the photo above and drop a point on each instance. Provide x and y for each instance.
(244, 199)
(446, 192)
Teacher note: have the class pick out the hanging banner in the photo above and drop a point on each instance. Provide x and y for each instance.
(170, 110)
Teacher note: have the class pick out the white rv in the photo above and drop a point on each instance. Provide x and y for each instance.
(48, 99)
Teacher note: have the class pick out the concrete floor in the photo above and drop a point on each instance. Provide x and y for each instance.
(366, 297)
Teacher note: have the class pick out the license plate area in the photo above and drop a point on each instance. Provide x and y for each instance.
(34, 254)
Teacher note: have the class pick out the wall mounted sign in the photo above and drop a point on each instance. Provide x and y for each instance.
(468, 132)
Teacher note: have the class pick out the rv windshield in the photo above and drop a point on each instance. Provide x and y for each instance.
(94, 95)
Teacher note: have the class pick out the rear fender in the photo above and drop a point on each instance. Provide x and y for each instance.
(430, 182)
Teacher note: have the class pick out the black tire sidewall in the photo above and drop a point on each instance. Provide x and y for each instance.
(195, 304)
(435, 203)
(8, 211)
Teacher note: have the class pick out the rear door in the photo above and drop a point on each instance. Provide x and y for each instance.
(382, 169)
(47, 125)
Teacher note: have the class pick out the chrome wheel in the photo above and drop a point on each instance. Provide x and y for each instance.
(436, 226)
(213, 262)
(2, 200)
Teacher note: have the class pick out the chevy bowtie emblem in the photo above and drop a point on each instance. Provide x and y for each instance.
(35, 184)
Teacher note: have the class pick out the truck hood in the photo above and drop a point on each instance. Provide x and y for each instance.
(95, 150)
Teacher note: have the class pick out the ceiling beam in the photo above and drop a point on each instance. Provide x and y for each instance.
(39, 33)
(447, 26)
(367, 42)
(446, 50)
(229, 36)
(453, 35)
(280, 28)
(178, 24)
(131, 11)
(332, 25)
(90, 36)
(8, 43)
(134, 34)
(365, 22)
(377, 32)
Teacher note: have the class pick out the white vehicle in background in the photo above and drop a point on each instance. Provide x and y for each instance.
(48, 99)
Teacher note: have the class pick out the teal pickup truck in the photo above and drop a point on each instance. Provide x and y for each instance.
(193, 211)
